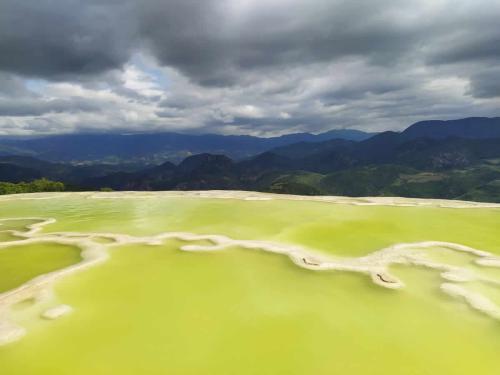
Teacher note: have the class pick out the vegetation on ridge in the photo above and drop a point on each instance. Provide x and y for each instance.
(36, 186)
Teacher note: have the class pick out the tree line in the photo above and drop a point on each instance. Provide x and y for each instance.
(36, 186)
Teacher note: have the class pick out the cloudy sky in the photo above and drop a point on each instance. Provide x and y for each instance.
(261, 67)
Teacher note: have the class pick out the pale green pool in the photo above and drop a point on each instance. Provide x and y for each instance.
(158, 310)
(19, 264)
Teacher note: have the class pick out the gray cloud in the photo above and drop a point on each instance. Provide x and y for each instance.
(486, 84)
(12, 86)
(479, 47)
(205, 42)
(468, 33)
(61, 38)
(36, 107)
(245, 66)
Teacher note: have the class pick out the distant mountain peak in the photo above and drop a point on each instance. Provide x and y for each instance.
(471, 127)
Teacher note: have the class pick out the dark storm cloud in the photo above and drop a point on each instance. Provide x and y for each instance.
(252, 66)
(214, 42)
(206, 41)
(469, 33)
(485, 47)
(61, 38)
(486, 84)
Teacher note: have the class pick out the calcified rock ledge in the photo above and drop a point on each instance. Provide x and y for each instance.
(374, 265)
(475, 300)
(257, 196)
(57, 312)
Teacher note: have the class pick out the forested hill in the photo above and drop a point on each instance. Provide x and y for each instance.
(453, 164)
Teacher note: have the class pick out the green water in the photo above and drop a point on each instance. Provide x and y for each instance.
(5, 237)
(341, 229)
(19, 264)
(157, 310)
(19, 225)
(464, 260)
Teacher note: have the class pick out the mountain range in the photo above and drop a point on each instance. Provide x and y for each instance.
(457, 159)
(154, 148)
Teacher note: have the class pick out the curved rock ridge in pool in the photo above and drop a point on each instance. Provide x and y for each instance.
(375, 265)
